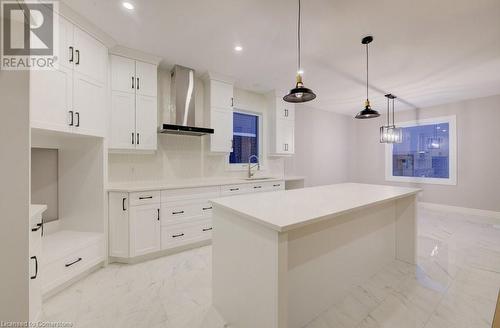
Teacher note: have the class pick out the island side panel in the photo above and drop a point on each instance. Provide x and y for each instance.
(406, 229)
(327, 258)
(249, 266)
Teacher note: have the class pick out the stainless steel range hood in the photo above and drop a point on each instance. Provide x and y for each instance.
(182, 91)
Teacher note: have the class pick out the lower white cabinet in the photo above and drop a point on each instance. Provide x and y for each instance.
(146, 222)
(144, 229)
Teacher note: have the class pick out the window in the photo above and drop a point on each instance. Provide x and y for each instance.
(246, 138)
(427, 153)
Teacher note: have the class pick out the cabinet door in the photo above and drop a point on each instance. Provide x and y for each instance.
(144, 229)
(122, 125)
(146, 79)
(221, 95)
(285, 136)
(146, 117)
(284, 110)
(118, 224)
(66, 54)
(89, 103)
(51, 98)
(222, 123)
(90, 57)
(123, 74)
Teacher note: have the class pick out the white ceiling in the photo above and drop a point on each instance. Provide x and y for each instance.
(426, 52)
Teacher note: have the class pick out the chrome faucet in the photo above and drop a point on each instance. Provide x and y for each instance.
(250, 166)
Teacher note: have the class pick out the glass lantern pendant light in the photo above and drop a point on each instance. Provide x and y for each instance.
(299, 94)
(368, 112)
(390, 133)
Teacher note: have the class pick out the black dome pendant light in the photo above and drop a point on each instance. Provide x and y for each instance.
(368, 112)
(299, 94)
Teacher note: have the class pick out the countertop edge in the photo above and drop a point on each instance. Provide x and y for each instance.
(112, 188)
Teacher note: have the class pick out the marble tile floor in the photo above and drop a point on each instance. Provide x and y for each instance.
(454, 285)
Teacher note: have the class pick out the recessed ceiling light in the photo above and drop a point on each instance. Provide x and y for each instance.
(238, 48)
(128, 5)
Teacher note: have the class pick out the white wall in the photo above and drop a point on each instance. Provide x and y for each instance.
(478, 154)
(185, 157)
(44, 181)
(323, 144)
(14, 195)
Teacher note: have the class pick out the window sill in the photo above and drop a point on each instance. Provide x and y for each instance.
(437, 181)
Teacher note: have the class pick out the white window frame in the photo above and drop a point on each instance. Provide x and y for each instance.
(452, 134)
(244, 166)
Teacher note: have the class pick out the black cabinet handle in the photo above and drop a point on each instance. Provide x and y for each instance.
(132, 82)
(133, 134)
(179, 212)
(75, 261)
(138, 86)
(158, 215)
(36, 267)
(207, 208)
(234, 189)
(178, 235)
(77, 57)
(207, 229)
(232, 102)
(71, 121)
(138, 138)
(78, 119)
(71, 54)
(286, 112)
(38, 227)
(257, 187)
(277, 185)
(146, 197)
(123, 204)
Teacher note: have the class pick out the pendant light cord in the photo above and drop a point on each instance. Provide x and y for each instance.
(367, 71)
(388, 116)
(393, 124)
(298, 40)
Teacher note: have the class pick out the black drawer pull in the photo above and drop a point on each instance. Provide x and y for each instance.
(234, 189)
(257, 187)
(179, 235)
(38, 226)
(146, 197)
(277, 185)
(123, 204)
(207, 208)
(178, 212)
(158, 215)
(75, 261)
(207, 229)
(36, 267)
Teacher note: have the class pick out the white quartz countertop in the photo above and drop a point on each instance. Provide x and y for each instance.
(290, 209)
(36, 210)
(187, 183)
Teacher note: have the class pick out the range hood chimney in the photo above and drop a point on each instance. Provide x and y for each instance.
(182, 91)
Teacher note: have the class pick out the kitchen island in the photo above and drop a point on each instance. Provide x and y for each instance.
(282, 258)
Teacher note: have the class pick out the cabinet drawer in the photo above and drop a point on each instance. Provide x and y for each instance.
(180, 212)
(144, 197)
(181, 234)
(189, 193)
(236, 189)
(64, 269)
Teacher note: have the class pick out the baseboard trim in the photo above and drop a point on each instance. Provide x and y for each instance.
(485, 216)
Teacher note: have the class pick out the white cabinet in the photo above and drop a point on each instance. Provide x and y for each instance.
(144, 229)
(134, 117)
(35, 250)
(281, 127)
(72, 98)
(119, 225)
(219, 114)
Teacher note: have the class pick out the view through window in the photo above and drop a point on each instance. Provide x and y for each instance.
(245, 138)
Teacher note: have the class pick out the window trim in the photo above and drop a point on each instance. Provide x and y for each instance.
(244, 166)
(452, 145)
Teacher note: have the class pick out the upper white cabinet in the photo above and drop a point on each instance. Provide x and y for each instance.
(281, 126)
(219, 114)
(134, 117)
(72, 98)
